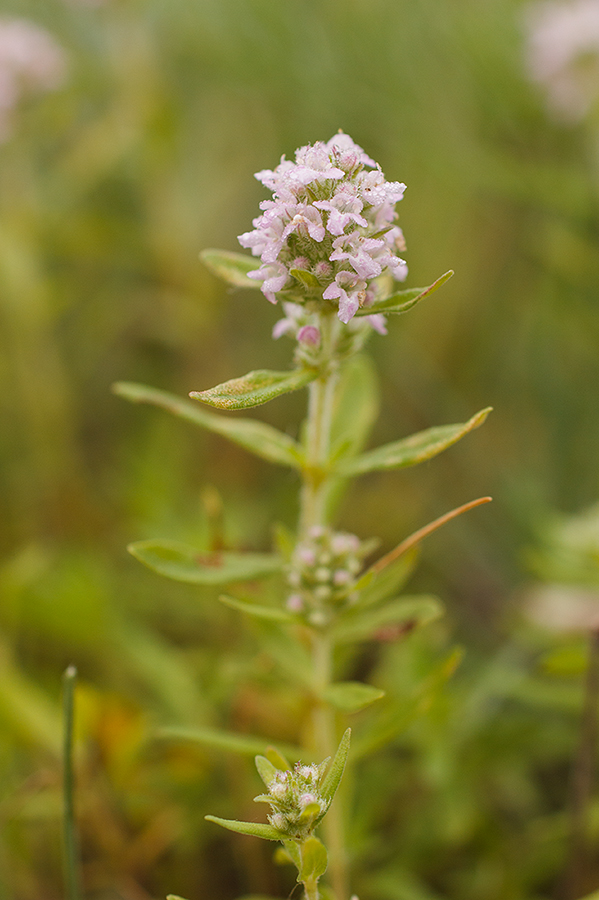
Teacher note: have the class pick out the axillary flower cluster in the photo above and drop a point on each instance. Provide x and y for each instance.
(329, 230)
(322, 573)
(295, 797)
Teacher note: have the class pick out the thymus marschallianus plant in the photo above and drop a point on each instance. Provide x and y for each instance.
(329, 250)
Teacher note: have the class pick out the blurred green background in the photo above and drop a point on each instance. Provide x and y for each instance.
(109, 187)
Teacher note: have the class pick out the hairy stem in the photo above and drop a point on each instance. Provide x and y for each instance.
(313, 514)
(318, 432)
(311, 889)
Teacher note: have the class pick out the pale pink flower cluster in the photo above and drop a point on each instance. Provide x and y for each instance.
(563, 54)
(30, 61)
(331, 219)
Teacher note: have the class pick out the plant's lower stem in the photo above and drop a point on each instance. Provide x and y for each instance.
(325, 745)
(313, 513)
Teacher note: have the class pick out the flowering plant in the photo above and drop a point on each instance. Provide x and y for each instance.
(328, 246)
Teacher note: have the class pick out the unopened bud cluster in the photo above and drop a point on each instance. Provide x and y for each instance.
(296, 802)
(323, 572)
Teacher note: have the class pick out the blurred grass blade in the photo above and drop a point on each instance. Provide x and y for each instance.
(232, 267)
(183, 563)
(257, 829)
(351, 696)
(412, 450)
(399, 615)
(255, 388)
(402, 301)
(257, 437)
(71, 857)
(219, 739)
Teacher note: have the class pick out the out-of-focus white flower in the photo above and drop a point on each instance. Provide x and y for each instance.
(563, 609)
(31, 61)
(330, 226)
(563, 54)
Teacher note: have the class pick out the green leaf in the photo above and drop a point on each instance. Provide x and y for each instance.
(305, 278)
(173, 897)
(218, 739)
(288, 652)
(277, 759)
(402, 301)
(293, 851)
(257, 437)
(409, 451)
(355, 408)
(314, 859)
(257, 829)
(376, 585)
(266, 770)
(232, 267)
(398, 716)
(351, 696)
(255, 388)
(271, 613)
(335, 773)
(183, 563)
(405, 612)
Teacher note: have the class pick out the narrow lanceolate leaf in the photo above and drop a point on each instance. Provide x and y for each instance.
(257, 437)
(218, 739)
(275, 756)
(398, 716)
(266, 770)
(335, 773)
(271, 613)
(232, 267)
(402, 301)
(376, 585)
(414, 449)
(257, 829)
(351, 696)
(396, 616)
(314, 859)
(255, 388)
(183, 563)
(294, 853)
(355, 408)
(414, 539)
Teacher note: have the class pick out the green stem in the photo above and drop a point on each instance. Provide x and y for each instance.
(313, 513)
(311, 889)
(70, 841)
(323, 728)
(318, 432)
